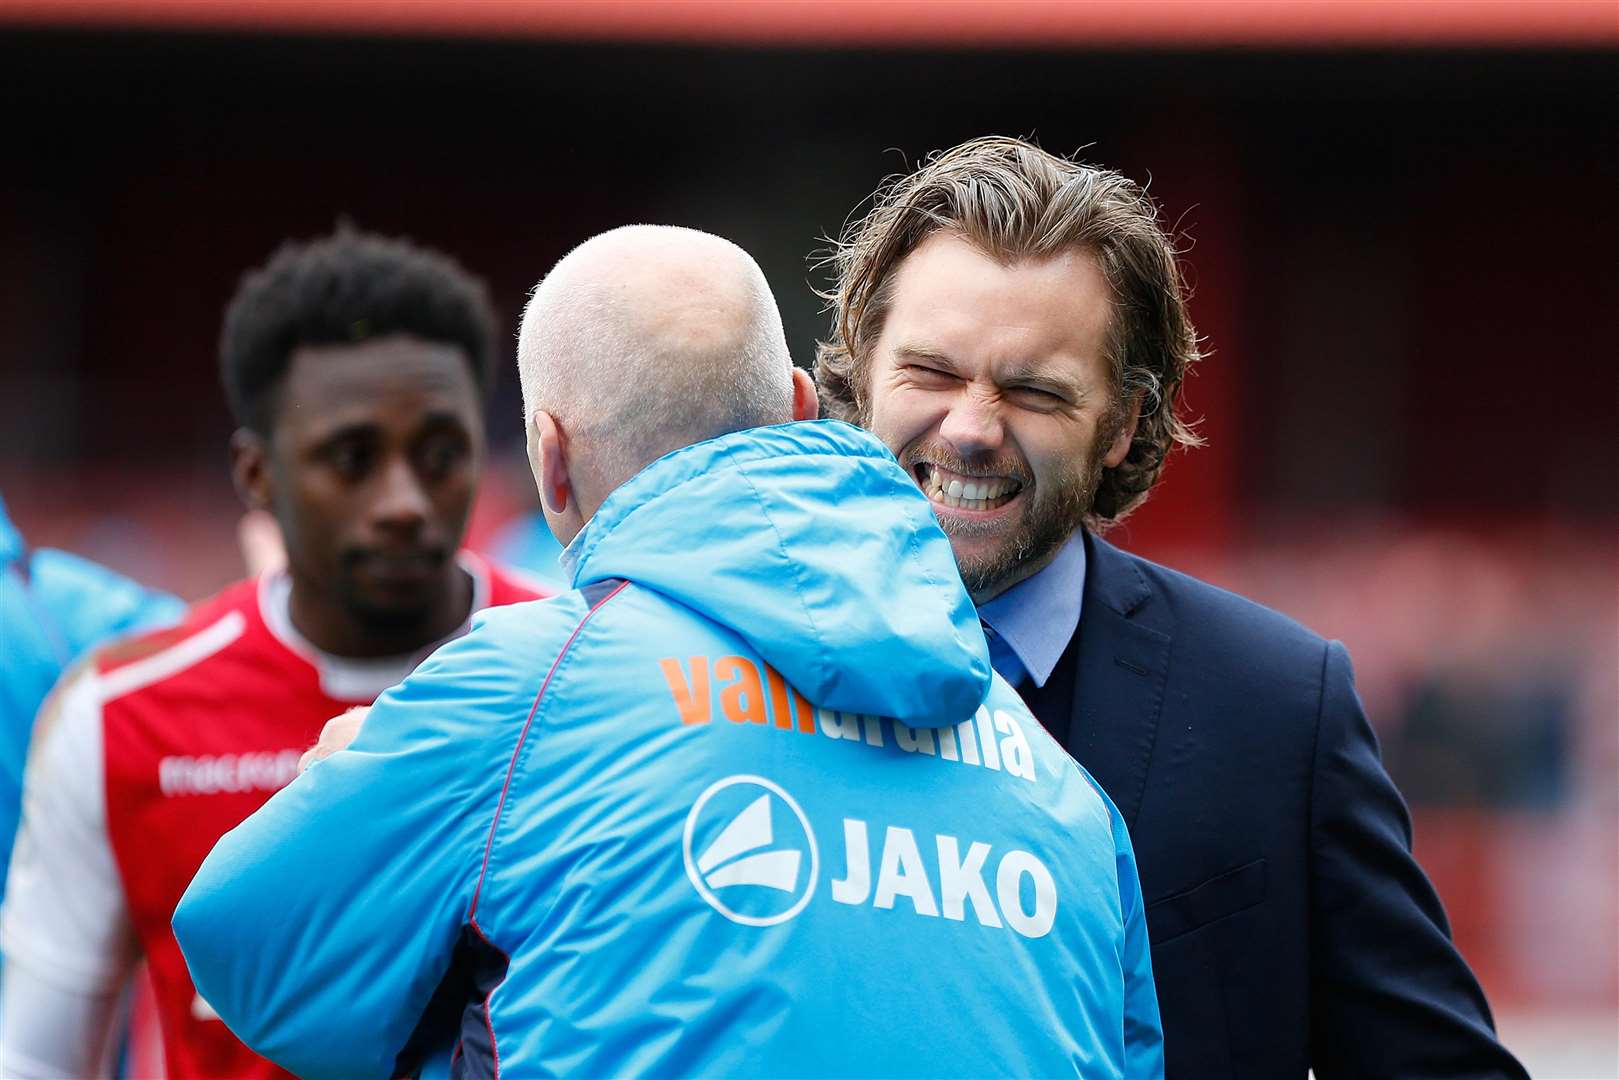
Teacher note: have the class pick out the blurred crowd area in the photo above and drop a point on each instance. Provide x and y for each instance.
(1401, 259)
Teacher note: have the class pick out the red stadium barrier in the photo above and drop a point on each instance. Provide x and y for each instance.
(1174, 23)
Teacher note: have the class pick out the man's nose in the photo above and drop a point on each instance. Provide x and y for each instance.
(401, 501)
(973, 424)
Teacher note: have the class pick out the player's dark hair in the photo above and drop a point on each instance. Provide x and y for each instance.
(342, 289)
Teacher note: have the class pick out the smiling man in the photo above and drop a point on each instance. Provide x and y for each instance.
(356, 366)
(1012, 325)
(992, 377)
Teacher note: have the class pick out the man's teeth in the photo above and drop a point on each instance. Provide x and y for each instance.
(973, 493)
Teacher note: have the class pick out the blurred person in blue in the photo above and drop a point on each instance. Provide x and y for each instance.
(1013, 326)
(527, 543)
(748, 800)
(356, 367)
(53, 607)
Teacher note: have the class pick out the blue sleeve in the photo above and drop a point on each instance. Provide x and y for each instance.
(86, 603)
(320, 928)
(1390, 995)
(53, 609)
(1143, 1029)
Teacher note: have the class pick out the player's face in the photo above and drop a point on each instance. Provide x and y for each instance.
(374, 462)
(991, 385)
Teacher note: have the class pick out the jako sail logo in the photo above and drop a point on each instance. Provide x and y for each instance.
(750, 852)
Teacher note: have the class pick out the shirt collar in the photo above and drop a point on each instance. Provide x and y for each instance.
(347, 678)
(1035, 619)
(568, 558)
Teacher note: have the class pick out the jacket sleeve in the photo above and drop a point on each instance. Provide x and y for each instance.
(320, 928)
(1390, 994)
(1143, 1029)
(86, 603)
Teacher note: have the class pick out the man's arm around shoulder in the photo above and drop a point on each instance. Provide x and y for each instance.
(320, 927)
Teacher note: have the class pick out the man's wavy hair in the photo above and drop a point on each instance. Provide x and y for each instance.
(1014, 201)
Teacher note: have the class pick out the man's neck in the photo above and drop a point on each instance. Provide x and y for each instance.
(1023, 573)
(1031, 623)
(333, 628)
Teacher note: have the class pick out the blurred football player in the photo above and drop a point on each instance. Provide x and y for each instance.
(356, 368)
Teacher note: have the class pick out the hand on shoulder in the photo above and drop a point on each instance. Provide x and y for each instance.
(336, 735)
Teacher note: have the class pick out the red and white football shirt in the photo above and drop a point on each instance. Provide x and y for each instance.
(161, 745)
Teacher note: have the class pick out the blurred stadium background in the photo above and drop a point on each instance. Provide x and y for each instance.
(1400, 222)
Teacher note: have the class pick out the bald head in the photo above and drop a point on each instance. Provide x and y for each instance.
(646, 339)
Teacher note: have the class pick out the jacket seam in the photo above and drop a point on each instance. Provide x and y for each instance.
(488, 1012)
(797, 571)
(500, 806)
(511, 768)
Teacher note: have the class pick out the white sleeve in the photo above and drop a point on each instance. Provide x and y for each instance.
(43, 1028)
(65, 931)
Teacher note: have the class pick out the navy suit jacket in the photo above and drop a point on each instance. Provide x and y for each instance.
(1291, 928)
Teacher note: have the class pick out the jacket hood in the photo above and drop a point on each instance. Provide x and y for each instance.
(810, 542)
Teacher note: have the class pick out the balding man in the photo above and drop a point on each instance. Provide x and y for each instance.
(748, 800)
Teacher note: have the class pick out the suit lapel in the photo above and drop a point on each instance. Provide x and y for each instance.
(1121, 667)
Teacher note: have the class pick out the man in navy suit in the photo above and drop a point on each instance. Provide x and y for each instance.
(1013, 326)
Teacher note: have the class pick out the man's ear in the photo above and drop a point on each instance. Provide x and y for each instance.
(1119, 448)
(250, 468)
(548, 459)
(806, 403)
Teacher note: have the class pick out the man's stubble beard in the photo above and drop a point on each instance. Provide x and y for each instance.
(1047, 524)
(402, 617)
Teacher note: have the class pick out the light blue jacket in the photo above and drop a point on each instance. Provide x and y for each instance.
(605, 834)
(53, 607)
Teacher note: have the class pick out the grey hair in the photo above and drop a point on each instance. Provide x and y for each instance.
(677, 341)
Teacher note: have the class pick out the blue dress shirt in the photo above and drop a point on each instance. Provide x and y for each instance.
(1030, 624)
